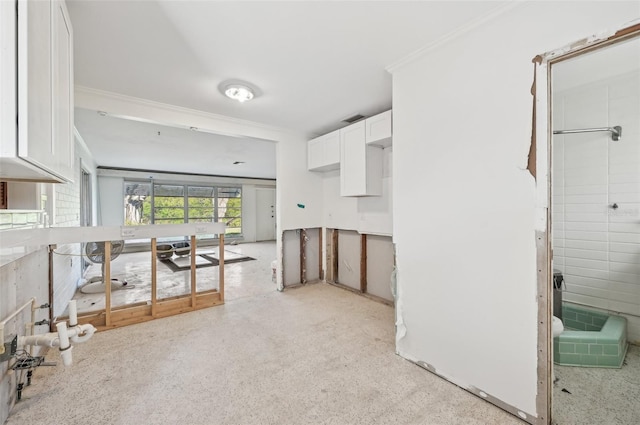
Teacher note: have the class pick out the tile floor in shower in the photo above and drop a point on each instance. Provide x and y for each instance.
(589, 395)
(242, 279)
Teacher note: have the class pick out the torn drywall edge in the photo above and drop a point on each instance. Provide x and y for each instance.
(542, 145)
(532, 155)
(396, 290)
(588, 41)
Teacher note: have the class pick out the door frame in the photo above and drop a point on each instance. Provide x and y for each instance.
(540, 165)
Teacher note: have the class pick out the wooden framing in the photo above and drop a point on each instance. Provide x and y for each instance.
(334, 254)
(321, 269)
(111, 318)
(134, 313)
(303, 256)
(363, 263)
(3, 196)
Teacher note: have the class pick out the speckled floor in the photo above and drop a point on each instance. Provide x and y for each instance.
(242, 279)
(596, 396)
(315, 354)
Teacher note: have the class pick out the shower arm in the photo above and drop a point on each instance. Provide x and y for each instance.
(616, 131)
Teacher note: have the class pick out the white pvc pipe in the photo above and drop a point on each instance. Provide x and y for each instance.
(65, 345)
(63, 335)
(73, 314)
(41, 340)
(80, 333)
(32, 303)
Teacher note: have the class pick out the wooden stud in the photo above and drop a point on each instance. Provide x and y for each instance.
(334, 255)
(154, 276)
(51, 324)
(363, 263)
(193, 271)
(221, 267)
(107, 282)
(303, 256)
(320, 265)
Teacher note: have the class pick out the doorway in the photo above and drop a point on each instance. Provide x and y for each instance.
(595, 233)
(265, 214)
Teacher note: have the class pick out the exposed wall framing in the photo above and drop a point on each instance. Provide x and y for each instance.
(361, 263)
(302, 256)
(110, 317)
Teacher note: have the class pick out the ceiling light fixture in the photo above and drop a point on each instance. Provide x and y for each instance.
(239, 92)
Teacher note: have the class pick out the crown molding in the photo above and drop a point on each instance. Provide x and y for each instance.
(452, 35)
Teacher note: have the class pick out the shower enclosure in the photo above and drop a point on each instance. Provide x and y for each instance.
(596, 191)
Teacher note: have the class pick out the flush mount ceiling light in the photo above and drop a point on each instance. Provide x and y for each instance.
(238, 90)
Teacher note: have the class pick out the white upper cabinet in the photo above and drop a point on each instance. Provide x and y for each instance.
(323, 153)
(357, 150)
(62, 91)
(41, 147)
(360, 163)
(379, 130)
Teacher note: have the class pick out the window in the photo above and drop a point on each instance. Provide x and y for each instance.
(137, 203)
(230, 209)
(167, 203)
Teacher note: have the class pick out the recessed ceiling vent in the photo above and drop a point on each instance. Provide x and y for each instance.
(353, 119)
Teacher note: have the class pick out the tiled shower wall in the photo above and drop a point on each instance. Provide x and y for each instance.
(596, 246)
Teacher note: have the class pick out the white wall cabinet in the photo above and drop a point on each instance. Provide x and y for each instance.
(323, 153)
(379, 130)
(40, 148)
(360, 163)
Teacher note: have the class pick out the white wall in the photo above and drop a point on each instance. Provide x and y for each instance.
(110, 201)
(370, 214)
(464, 202)
(598, 248)
(21, 280)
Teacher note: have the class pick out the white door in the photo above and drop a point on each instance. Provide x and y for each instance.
(265, 214)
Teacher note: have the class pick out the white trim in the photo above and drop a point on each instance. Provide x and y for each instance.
(137, 109)
(67, 235)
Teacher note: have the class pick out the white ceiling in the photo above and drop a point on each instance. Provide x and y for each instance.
(315, 63)
(138, 145)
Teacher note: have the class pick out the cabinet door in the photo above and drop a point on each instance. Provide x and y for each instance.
(8, 127)
(323, 153)
(379, 129)
(332, 150)
(353, 169)
(35, 143)
(315, 154)
(62, 78)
